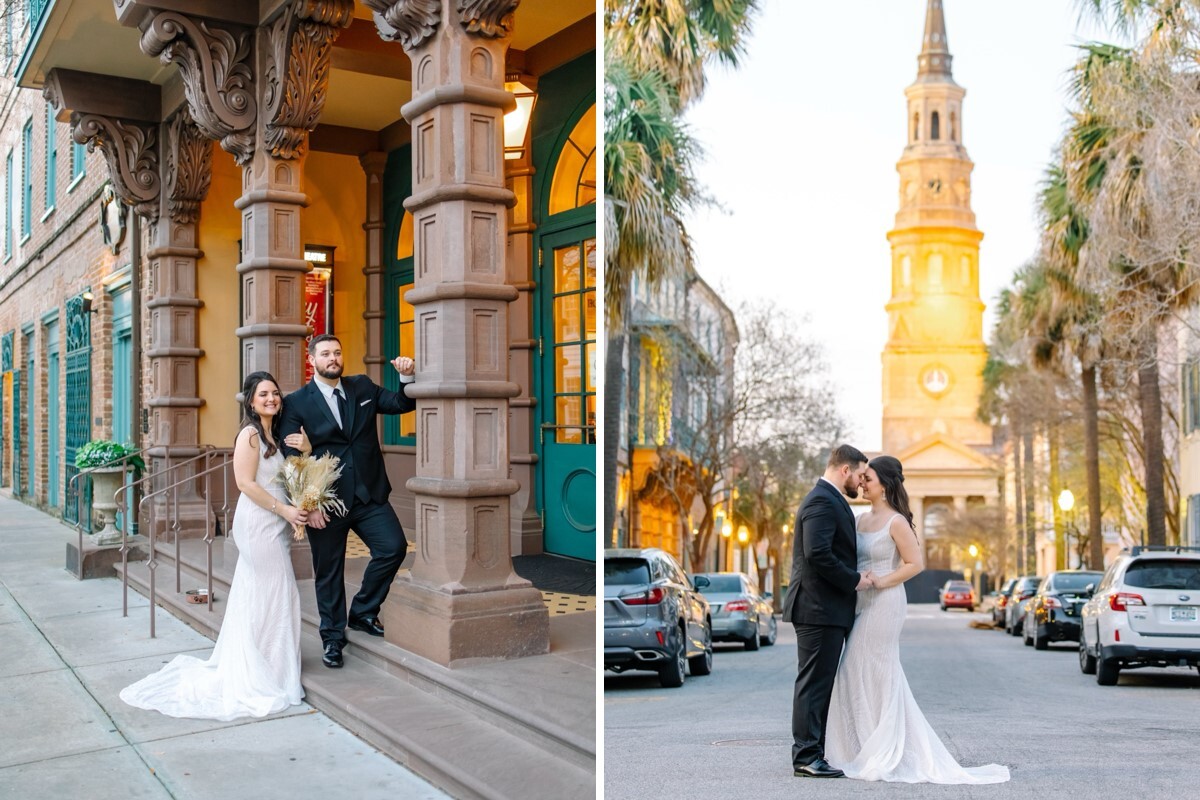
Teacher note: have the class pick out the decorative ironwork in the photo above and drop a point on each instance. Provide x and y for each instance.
(79, 402)
(6, 352)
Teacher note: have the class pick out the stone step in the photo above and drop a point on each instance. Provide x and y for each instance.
(467, 692)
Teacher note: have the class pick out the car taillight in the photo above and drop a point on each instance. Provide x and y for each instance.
(649, 598)
(1051, 602)
(1121, 600)
(1002, 602)
(738, 605)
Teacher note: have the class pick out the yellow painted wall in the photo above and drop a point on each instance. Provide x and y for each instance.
(217, 285)
(337, 189)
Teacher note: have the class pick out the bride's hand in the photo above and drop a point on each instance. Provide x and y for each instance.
(295, 515)
(298, 441)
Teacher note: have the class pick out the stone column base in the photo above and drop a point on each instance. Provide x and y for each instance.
(98, 561)
(447, 628)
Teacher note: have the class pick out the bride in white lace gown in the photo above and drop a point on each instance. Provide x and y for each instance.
(254, 670)
(876, 730)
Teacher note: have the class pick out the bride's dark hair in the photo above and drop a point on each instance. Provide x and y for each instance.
(891, 474)
(250, 416)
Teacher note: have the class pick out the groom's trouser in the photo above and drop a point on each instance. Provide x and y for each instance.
(818, 649)
(376, 524)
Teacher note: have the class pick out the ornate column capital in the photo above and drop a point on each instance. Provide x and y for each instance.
(131, 151)
(297, 46)
(409, 22)
(492, 18)
(373, 162)
(218, 77)
(188, 167)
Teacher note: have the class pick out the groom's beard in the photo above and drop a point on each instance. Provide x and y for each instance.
(330, 372)
(851, 489)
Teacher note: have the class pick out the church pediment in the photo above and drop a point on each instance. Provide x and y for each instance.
(940, 453)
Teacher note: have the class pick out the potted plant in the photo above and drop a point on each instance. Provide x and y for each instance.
(103, 460)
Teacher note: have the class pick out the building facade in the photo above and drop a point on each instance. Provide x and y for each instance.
(417, 181)
(675, 414)
(934, 357)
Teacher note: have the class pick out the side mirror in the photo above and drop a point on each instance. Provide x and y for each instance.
(1090, 589)
(701, 582)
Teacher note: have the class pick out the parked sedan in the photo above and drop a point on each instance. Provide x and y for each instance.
(1025, 589)
(956, 594)
(1145, 612)
(1002, 599)
(1053, 614)
(739, 612)
(653, 617)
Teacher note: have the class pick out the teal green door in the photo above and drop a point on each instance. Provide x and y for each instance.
(122, 379)
(53, 440)
(568, 391)
(30, 428)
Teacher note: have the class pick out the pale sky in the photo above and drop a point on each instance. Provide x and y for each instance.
(802, 143)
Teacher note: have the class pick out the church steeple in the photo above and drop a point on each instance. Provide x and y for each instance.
(933, 64)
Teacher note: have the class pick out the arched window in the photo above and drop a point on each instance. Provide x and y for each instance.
(935, 132)
(916, 131)
(935, 271)
(953, 127)
(574, 181)
(906, 273)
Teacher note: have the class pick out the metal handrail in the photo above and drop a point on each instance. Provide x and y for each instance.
(123, 462)
(170, 493)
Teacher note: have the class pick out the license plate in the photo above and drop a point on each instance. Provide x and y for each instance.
(1183, 613)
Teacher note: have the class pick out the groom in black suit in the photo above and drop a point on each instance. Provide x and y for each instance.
(337, 415)
(820, 602)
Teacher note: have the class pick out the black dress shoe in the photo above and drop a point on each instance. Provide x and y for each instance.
(333, 655)
(818, 769)
(369, 625)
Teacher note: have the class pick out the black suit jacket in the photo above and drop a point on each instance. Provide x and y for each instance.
(824, 561)
(358, 445)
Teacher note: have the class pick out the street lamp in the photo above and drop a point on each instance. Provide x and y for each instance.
(1066, 501)
(727, 529)
(516, 122)
(743, 534)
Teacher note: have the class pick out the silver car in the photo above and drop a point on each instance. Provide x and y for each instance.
(653, 617)
(740, 613)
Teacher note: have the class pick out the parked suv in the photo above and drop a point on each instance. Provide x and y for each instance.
(1014, 612)
(1145, 613)
(1054, 611)
(739, 612)
(653, 618)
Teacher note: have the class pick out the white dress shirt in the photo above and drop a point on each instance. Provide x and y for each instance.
(331, 400)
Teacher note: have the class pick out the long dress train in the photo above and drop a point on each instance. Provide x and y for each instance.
(876, 731)
(254, 670)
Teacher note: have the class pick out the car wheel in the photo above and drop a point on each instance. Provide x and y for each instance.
(1107, 672)
(751, 641)
(670, 674)
(702, 664)
(773, 631)
(1025, 635)
(1039, 642)
(1087, 662)
(943, 606)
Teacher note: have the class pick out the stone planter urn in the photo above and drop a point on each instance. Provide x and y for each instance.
(105, 484)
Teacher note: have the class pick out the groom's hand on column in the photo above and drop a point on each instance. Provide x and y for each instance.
(404, 365)
(316, 519)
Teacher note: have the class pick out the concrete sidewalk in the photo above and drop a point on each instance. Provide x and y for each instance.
(64, 732)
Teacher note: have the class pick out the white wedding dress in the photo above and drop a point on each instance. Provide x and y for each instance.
(254, 670)
(876, 731)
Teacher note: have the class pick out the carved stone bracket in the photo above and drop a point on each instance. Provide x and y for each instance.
(492, 18)
(298, 45)
(188, 167)
(218, 77)
(409, 22)
(131, 150)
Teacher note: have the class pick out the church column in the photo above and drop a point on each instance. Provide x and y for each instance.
(463, 599)
(373, 165)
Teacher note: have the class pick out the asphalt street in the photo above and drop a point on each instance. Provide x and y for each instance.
(992, 700)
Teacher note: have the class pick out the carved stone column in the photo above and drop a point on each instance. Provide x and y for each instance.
(526, 524)
(462, 599)
(373, 165)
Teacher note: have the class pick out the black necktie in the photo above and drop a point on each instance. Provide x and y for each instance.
(341, 401)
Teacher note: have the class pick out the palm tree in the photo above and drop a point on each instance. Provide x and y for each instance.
(655, 55)
(1071, 322)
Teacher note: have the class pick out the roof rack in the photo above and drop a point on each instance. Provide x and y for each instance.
(1162, 548)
